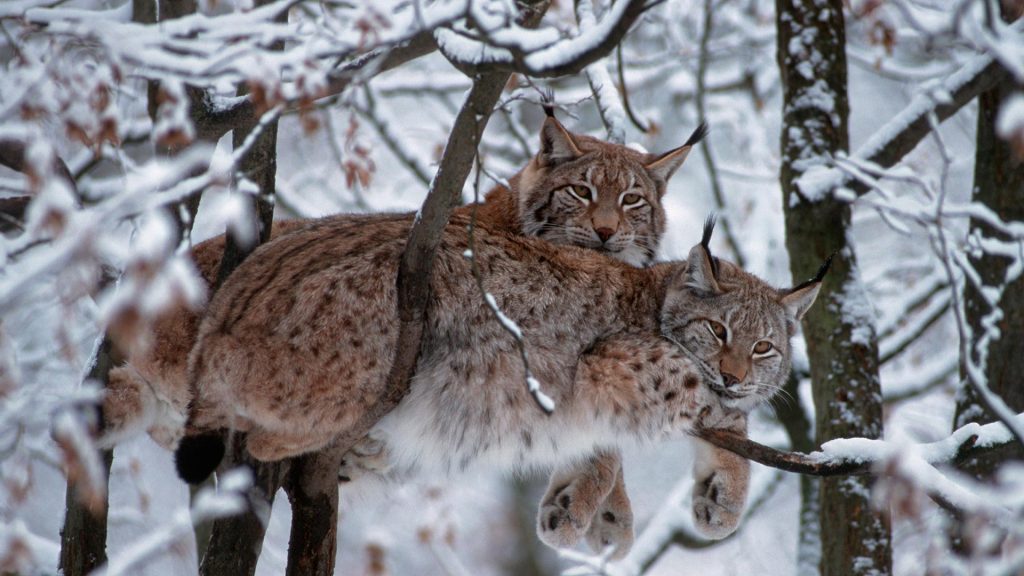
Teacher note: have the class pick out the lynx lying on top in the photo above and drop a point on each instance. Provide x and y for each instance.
(576, 190)
(291, 350)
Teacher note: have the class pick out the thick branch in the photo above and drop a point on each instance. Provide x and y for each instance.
(968, 442)
(212, 124)
(905, 131)
(414, 270)
(560, 59)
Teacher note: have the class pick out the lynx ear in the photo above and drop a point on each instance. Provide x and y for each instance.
(701, 266)
(799, 299)
(556, 143)
(664, 166)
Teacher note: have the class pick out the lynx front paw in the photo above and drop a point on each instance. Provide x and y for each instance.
(612, 526)
(562, 520)
(716, 510)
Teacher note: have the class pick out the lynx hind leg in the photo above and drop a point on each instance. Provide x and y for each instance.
(721, 480)
(613, 523)
(270, 446)
(575, 493)
(127, 406)
(131, 407)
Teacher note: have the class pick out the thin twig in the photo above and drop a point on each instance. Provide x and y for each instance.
(390, 139)
(640, 125)
(706, 150)
(544, 402)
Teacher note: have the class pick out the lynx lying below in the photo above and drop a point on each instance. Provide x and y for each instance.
(290, 351)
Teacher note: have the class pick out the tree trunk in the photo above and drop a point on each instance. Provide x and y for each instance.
(232, 545)
(840, 335)
(236, 541)
(312, 489)
(83, 539)
(999, 185)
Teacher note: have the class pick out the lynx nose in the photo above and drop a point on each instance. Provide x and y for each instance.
(732, 370)
(729, 380)
(604, 233)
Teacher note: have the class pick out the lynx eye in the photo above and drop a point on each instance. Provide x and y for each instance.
(581, 192)
(717, 329)
(631, 199)
(763, 347)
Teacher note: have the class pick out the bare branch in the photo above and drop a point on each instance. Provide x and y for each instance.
(706, 151)
(640, 125)
(414, 270)
(216, 122)
(899, 341)
(391, 139)
(613, 116)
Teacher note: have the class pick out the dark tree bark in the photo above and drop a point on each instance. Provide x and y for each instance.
(312, 489)
(234, 544)
(83, 538)
(999, 185)
(236, 541)
(840, 337)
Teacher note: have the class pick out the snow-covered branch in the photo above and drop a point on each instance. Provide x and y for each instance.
(890, 143)
(860, 456)
(561, 58)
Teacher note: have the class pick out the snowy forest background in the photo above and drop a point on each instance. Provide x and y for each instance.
(891, 132)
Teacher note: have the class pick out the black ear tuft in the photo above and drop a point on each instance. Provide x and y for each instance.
(819, 276)
(698, 134)
(705, 242)
(547, 101)
(198, 456)
(824, 268)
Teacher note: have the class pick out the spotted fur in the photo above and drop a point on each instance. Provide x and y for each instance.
(289, 352)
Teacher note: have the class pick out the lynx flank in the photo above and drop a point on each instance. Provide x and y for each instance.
(290, 353)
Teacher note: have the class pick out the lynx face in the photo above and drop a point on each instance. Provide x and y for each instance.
(585, 192)
(735, 327)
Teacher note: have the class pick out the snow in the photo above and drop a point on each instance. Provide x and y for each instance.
(51, 309)
(1010, 124)
(820, 184)
(507, 322)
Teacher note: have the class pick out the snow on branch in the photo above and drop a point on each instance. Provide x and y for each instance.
(544, 402)
(890, 143)
(861, 456)
(609, 105)
(567, 56)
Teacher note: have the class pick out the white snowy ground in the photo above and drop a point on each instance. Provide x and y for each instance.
(145, 490)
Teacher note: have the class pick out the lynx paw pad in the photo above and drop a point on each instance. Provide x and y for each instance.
(715, 514)
(611, 528)
(557, 525)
